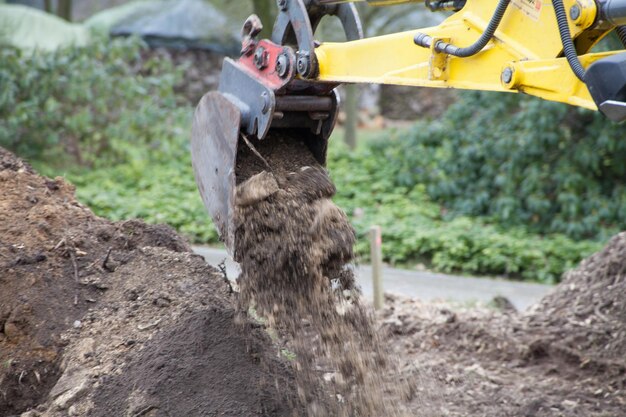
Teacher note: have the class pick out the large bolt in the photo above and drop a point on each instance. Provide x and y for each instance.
(574, 12)
(282, 65)
(265, 101)
(303, 64)
(260, 58)
(507, 75)
(282, 4)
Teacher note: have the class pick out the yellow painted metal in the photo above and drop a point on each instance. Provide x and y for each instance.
(527, 41)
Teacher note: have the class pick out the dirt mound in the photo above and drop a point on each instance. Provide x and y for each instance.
(101, 318)
(566, 356)
(218, 359)
(587, 312)
(294, 245)
(8, 161)
(481, 362)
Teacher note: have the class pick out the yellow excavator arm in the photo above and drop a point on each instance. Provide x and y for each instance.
(288, 82)
(525, 53)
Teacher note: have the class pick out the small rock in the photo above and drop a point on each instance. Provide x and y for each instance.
(73, 411)
(77, 324)
(503, 304)
(86, 348)
(72, 385)
(162, 302)
(569, 404)
(11, 331)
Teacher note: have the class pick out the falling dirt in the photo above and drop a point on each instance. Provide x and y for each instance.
(115, 319)
(294, 246)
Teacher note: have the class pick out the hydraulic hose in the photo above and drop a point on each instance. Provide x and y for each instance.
(566, 39)
(569, 50)
(425, 41)
(621, 34)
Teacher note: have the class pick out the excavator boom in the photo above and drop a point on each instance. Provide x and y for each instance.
(288, 82)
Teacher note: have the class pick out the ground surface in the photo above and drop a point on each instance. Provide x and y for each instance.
(115, 319)
(565, 356)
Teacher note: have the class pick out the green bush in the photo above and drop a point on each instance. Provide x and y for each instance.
(416, 229)
(159, 190)
(92, 105)
(522, 162)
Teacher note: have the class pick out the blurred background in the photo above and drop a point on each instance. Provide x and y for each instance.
(102, 92)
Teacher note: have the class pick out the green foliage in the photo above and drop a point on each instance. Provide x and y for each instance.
(415, 229)
(94, 103)
(158, 188)
(522, 162)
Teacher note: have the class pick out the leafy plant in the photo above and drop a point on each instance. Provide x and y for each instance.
(521, 162)
(94, 103)
(532, 168)
(372, 189)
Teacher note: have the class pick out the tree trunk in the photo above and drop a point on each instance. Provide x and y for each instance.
(266, 10)
(47, 6)
(352, 110)
(64, 9)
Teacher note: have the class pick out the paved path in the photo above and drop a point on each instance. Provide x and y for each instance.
(423, 285)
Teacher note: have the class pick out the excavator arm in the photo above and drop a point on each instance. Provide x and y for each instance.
(288, 82)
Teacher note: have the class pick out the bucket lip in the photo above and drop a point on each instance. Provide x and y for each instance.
(214, 137)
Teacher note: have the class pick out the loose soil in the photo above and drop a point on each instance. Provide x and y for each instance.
(566, 356)
(115, 319)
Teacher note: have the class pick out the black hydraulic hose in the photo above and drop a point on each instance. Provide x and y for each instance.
(424, 40)
(621, 34)
(569, 50)
(566, 39)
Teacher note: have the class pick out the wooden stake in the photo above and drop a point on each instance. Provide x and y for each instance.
(376, 242)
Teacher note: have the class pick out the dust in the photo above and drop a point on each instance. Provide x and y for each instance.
(294, 246)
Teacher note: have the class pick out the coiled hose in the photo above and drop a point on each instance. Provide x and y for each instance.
(566, 39)
(424, 40)
(621, 34)
(569, 50)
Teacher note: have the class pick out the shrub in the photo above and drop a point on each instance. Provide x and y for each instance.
(522, 162)
(372, 189)
(90, 104)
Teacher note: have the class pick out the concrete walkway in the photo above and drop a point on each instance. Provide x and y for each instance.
(426, 286)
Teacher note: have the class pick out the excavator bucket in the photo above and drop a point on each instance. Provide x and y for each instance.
(224, 121)
(214, 137)
(271, 86)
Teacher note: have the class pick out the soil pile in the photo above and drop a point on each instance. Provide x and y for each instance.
(112, 319)
(587, 312)
(566, 356)
(294, 244)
